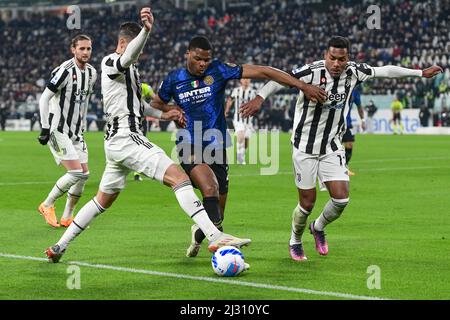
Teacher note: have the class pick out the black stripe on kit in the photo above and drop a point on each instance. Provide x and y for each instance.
(316, 118)
(299, 129)
(348, 85)
(130, 104)
(80, 107)
(72, 100)
(330, 120)
(62, 99)
(139, 141)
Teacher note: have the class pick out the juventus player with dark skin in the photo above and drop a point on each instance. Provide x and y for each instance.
(317, 135)
(199, 90)
(63, 107)
(127, 149)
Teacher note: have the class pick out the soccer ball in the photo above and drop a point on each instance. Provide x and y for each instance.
(228, 261)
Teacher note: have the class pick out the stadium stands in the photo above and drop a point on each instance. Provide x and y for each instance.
(282, 34)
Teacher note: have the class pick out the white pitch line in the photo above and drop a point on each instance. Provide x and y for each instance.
(206, 279)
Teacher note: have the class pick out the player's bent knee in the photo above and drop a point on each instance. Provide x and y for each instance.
(75, 175)
(340, 203)
(174, 175)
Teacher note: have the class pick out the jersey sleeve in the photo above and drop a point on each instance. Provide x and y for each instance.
(364, 71)
(230, 70)
(58, 79)
(165, 90)
(112, 65)
(303, 73)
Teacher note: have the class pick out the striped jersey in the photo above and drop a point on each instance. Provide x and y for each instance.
(241, 96)
(121, 91)
(68, 107)
(318, 128)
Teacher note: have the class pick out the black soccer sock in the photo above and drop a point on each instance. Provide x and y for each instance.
(348, 155)
(211, 205)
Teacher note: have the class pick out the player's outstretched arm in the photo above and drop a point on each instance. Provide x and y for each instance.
(253, 106)
(44, 102)
(312, 93)
(136, 45)
(400, 72)
(167, 110)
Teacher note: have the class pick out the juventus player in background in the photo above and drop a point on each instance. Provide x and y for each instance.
(243, 127)
(127, 149)
(199, 89)
(317, 134)
(63, 107)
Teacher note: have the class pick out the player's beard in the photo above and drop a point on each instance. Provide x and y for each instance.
(82, 61)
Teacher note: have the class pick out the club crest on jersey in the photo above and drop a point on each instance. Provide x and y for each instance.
(195, 84)
(208, 80)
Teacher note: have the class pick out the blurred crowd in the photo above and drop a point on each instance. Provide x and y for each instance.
(283, 34)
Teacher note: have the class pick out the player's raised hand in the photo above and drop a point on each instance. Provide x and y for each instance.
(432, 71)
(315, 94)
(252, 107)
(147, 18)
(44, 136)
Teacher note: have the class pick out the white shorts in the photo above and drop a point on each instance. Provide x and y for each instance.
(241, 126)
(128, 152)
(63, 148)
(327, 167)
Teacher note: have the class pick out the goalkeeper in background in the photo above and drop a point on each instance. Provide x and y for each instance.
(147, 96)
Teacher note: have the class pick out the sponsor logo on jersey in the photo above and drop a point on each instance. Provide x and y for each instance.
(55, 79)
(336, 97)
(196, 92)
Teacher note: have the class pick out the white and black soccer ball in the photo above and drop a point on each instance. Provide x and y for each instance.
(228, 261)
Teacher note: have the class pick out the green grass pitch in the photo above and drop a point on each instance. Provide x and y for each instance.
(397, 220)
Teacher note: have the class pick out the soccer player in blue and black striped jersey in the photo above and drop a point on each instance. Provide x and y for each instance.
(199, 89)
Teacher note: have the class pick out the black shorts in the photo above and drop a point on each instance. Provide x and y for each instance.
(397, 117)
(220, 168)
(349, 136)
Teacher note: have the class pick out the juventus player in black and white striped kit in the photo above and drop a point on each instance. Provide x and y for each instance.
(63, 107)
(243, 127)
(127, 149)
(317, 133)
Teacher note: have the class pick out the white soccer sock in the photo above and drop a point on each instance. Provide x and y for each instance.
(333, 210)
(241, 151)
(193, 207)
(84, 217)
(73, 195)
(62, 185)
(299, 218)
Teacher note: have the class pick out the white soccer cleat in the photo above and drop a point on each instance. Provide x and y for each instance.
(194, 248)
(227, 240)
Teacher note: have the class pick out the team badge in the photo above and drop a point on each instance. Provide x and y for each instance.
(208, 80)
(195, 84)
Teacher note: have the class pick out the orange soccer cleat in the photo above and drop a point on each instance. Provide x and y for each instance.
(49, 215)
(66, 222)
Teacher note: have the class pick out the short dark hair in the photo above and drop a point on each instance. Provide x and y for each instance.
(129, 30)
(339, 42)
(79, 37)
(199, 42)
